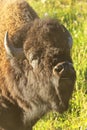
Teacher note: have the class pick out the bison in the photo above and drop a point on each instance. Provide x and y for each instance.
(36, 68)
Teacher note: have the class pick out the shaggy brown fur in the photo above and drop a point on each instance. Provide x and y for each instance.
(44, 78)
(14, 15)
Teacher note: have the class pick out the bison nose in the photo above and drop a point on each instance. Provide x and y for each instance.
(64, 69)
(58, 68)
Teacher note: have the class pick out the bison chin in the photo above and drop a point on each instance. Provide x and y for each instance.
(64, 77)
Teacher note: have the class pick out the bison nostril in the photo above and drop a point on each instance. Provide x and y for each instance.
(59, 68)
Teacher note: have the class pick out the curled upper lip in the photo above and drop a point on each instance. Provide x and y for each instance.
(66, 78)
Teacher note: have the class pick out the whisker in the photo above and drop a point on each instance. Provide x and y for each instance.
(65, 78)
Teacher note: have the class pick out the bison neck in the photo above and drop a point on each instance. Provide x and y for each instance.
(26, 91)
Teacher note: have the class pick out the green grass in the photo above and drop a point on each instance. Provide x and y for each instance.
(73, 14)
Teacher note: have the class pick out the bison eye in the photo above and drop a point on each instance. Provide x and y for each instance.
(33, 60)
(33, 57)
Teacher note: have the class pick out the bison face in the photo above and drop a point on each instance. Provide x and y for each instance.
(57, 78)
(46, 80)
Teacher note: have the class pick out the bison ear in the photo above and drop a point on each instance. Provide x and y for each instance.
(11, 50)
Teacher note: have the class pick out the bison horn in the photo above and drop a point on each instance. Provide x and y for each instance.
(70, 40)
(11, 50)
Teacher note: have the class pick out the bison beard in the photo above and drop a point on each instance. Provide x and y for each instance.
(39, 77)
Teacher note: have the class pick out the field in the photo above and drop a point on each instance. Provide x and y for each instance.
(73, 14)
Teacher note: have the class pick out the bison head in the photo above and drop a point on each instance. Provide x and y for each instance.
(41, 73)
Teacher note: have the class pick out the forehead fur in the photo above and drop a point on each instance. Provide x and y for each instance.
(47, 40)
(46, 32)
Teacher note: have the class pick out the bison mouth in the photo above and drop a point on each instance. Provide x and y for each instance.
(62, 108)
(64, 86)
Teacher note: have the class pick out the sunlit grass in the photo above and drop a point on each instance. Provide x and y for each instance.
(73, 14)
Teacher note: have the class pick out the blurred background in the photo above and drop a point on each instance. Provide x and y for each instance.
(73, 14)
